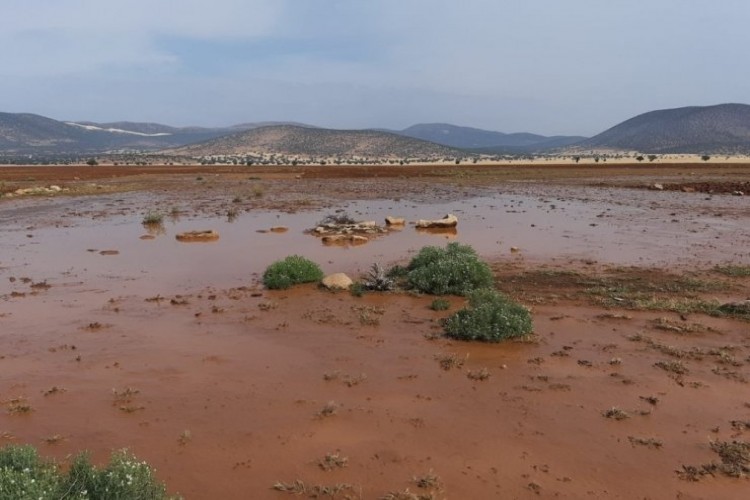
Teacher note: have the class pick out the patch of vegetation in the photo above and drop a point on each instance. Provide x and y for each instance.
(735, 461)
(455, 269)
(449, 361)
(338, 219)
(357, 289)
(675, 367)
(333, 461)
(291, 271)
(652, 443)
(481, 374)
(23, 474)
(490, 317)
(615, 414)
(733, 270)
(153, 219)
(440, 305)
(378, 280)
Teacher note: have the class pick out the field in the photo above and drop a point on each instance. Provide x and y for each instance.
(115, 334)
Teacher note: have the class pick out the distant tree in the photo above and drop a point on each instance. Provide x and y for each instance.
(651, 157)
(92, 162)
(639, 158)
(596, 159)
(705, 157)
(458, 161)
(576, 159)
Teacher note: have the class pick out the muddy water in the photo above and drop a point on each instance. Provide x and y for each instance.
(228, 381)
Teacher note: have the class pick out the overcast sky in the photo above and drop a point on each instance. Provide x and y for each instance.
(544, 66)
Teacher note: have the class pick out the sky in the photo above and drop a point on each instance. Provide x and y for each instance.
(553, 67)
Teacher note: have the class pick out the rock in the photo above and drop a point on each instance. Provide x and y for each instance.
(449, 220)
(394, 221)
(353, 239)
(514, 249)
(738, 193)
(337, 281)
(279, 229)
(741, 307)
(109, 252)
(656, 187)
(147, 237)
(687, 189)
(189, 236)
(55, 189)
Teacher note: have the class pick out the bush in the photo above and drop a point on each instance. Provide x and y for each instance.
(455, 269)
(291, 271)
(152, 218)
(440, 305)
(24, 475)
(490, 317)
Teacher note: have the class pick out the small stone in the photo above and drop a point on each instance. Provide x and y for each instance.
(514, 249)
(449, 220)
(657, 187)
(337, 281)
(395, 221)
(279, 229)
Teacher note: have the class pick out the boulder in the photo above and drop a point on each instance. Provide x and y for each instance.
(190, 236)
(656, 187)
(337, 281)
(279, 229)
(449, 220)
(394, 221)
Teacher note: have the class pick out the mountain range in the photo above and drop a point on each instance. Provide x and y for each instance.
(723, 128)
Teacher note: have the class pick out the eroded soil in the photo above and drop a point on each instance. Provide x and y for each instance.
(117, 335)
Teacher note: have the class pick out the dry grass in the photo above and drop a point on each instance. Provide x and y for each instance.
(447, 361)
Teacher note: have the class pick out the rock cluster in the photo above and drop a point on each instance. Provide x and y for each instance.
(449, 220)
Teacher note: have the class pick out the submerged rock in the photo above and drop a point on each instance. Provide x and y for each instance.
(449, 220)
(394, 221)
(189, 236)
(352, 239)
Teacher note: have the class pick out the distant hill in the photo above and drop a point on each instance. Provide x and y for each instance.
(23, 133)
(292, 140)
(724, 128)
(484, 140)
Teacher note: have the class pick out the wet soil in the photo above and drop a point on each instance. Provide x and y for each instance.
(117, 335)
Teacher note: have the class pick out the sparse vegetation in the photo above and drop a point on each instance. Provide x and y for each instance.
(153, 219)
(615, 413)
(455, 269)
(333, 461)
(490, 317)
(290, 271)
(24, 475)
(378, 280)
(733, 270)
(440, 305)
(447, 361)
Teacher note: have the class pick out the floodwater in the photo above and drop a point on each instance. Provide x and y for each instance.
(228, 380)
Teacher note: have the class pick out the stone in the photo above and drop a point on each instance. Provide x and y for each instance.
(353, 239)
(337, 281)
(514, 249)
(279, 229)
(449, 220)
(738, 193)
(54, 188)
(190, 236)
(656, 187)
(394, 221)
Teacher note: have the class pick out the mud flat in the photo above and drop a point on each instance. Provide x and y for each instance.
(176, 351)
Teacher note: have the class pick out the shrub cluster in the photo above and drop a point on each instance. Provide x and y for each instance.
(291, 271)
(23, 474)
(455, 269)
(490, 317)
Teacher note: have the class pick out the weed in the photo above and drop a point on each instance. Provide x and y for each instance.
(455, 269)
(257, 191)
(675, 367)
(451, 360)
(185, 437)
(490, 317)
(378, 280)
(339, 219)
(232, 214)
(427, 481)
(333, 461)
(296, 487)
(291, 271)
(54, 439)
(679, 327)
(481, 374)
(53, 390)
(368, 315)
(357, 289)
(647, 442)
(615, 414)
(733, 270)
(440, 305)
(328, 410)
(153, 219)
(652, 400)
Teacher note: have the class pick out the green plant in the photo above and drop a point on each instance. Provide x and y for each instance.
(291, 271)
(490, 317)
(153, 218)
(440, 305)
(378, 279)
(455, 269)
(23, 474)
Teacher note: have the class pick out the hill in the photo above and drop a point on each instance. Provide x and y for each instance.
(723, 128)
(290, 140)
(484, 140)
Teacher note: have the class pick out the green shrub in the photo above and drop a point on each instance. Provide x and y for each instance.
(23, 475)
(153, 218)
(490, 317)
(455, 269)
(440, 305)
(291, 271)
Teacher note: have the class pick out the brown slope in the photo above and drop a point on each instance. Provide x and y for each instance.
(314, 142)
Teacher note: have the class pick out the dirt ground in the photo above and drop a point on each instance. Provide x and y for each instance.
(116, 335)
